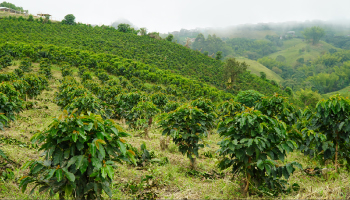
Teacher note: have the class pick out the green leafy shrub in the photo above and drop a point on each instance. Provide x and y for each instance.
(171, 106)
(67, 95)
(36, 84)
(66, 70)
(86, 76)
(159, 99)
(5, 61)
(249, 97)
(89, 103)
(79, 157)
(19, 72)
(187, 126)
(142, 115)
(124, 103)
(332, 120)
(229, 109)
(45, 69)
(252, 143)
(26, 65)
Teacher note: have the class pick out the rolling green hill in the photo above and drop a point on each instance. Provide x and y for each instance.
(292, 47)
(158, 53)
(255, 68)
(343, 92)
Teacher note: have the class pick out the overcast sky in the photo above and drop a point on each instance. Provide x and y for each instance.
(165, 15)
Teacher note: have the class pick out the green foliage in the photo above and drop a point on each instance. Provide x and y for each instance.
(86, 76)
(36, 84)
(125, 28)
(170, 38)
(12, 6)
(171, 106)
(125, 102)
(187, 126)
(315, 33)
(331, 119)
(66, 70)
(252, 143)
(141, 115)
(10, 103)
(89, 103)
(26, 65)
(249, 97)
(159, 99)
(218, 55)
(19, 72)
(229, 109)
(308, 97)
(45, 69)
(232, 69)
(3, 120)
(5, 61)
(78, 158)
(111, 43)
(69, 19)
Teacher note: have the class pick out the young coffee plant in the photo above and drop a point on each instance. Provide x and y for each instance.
(19, 72)
(124, 102)
(249, 97)
(26, 65)
(89, 103)
(103, 77)
(332, 120)
(5, 61)
(229, 109)
(45, 69)
(36, 84)
(86, 76)
(9, 109)
(251, 145)
(21, 86)
(66, 70)
(142, 115)
(171, 106)
(187, 125)
(79, 155)
(160, 100)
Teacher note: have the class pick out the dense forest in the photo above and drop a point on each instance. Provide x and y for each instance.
(103, 112)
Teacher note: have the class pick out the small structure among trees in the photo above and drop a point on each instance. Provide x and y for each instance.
(47, 16)
(5, 9)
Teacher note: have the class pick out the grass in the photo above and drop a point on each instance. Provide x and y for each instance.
(291, 52)
(170, 181)
(256, 68)
(343, 92)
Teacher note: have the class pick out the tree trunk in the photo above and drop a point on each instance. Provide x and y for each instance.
(193, 163)
(336, 154)
(246, 193)
(146, 132)
(150, 120)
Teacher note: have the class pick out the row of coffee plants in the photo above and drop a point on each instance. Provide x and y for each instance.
(176, 84)
(156, 53)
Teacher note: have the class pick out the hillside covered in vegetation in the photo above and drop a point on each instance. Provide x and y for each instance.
(104, 113)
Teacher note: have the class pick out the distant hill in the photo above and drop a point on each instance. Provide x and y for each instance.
(343, 92)
(256, 68)
(291, 50)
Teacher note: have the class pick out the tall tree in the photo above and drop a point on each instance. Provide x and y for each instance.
(69, 19)
(315, 33)
(232, 69)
